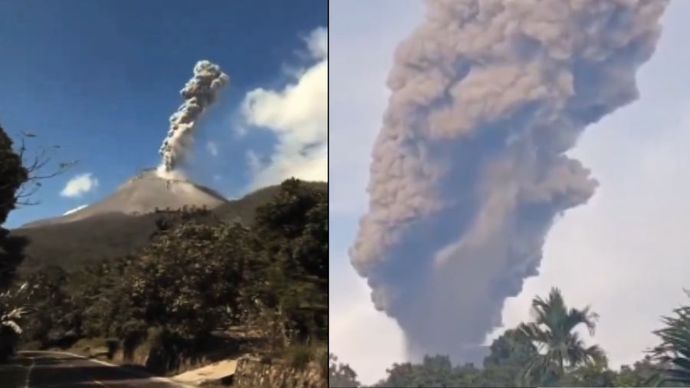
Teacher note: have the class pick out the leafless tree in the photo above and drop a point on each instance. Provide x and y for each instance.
(40, 166)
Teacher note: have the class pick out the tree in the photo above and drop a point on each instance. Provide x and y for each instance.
(12, 176)
(340, 375)
(674, 351)
(434, 371)
(641, 373)
(508, 356)
(594, 374)
(188, 280)
(560, 348)
(56, 320)
(293, 263)
(20, 179)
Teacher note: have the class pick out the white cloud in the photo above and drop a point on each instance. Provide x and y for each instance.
(212, 148)
(298, 116)
(76, 209)
(317, 43)
(79, 185)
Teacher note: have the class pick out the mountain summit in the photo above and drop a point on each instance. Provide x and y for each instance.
(144, 194)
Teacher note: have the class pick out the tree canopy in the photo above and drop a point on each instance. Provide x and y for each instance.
(12, 176)
(550, 351)
(198, 275)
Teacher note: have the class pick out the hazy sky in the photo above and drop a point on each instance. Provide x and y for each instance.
(101, 79)
(625, 252)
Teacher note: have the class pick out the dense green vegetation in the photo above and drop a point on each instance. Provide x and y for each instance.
(12, 176)
(553, 332)
(340, 375)
(674, 349)
(196, 277)
(179, 282)
(546, 352)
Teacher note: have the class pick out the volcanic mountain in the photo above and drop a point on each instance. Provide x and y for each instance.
(143, 194)
(125, 221)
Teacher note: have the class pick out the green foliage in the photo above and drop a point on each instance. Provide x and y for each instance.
(674, 351)
(198, 275)
(299, 356)
(596, 374)
(292, 264)
(340, 375)
(186, 283)
(12, 176)
(551, 354)
(188, 279)
(434, 371)
(560, 347)
(11, 256)
(507, 358)
(642, 373)
(56, 319)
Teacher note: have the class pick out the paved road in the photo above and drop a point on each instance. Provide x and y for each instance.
(55, 369)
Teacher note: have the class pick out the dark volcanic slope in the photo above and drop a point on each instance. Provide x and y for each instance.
(73, 244)
(76, 243)
(101, 237)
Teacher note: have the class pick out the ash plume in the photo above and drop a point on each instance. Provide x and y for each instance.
(199, 93)
(470, 169)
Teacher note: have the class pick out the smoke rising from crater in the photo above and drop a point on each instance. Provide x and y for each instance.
(199, 93)
(470, 169)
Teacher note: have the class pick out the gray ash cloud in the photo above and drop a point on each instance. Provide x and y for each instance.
(470, 169)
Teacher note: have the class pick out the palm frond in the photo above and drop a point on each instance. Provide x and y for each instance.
(553, 330)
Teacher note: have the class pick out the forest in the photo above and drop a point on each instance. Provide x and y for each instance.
(201, 284)
(548, 351)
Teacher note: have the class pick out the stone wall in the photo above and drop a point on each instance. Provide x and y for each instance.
(257, 373)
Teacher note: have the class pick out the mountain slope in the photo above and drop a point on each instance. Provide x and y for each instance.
(144, 194)
(109, 235)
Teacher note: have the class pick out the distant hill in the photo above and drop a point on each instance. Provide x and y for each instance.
(108, 235)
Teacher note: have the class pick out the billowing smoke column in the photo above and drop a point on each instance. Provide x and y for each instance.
(469, 170)
(199, 93)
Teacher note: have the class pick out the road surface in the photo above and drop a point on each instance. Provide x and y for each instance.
(57, 369)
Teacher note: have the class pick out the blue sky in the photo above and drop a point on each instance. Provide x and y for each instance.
(100, 79)
(625, 252)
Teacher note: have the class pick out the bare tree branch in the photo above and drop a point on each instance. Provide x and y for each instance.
(36, 166)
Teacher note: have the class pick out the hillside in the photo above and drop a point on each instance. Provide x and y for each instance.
(144, 194)
(101, 237)
(200, 291)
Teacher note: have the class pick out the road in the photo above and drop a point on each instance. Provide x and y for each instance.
(57, 369)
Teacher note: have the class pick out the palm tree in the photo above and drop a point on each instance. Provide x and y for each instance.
(673, 353)
(552, 331)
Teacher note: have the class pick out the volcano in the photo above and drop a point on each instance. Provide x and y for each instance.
(125, 221)
(144, 194)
